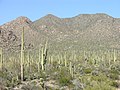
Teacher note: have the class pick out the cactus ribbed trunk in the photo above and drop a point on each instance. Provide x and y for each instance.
(22, 55)
(39, 61)
(42, 59)
(114, 56)
(29, 62)
(65, 58)
(44, 51)
(1, 56)
(71, 69)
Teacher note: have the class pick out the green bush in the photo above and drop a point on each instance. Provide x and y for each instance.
(99, 86)
(114, 76)
(115, 84)
(99, 78)
(64, 77)
(87, 70)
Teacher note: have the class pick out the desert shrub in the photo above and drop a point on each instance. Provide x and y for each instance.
(99, 86)
(99, 78)
(64, 77)
(114, 76)
(114, 84)
(114, 71)
(37, 88)
(26, 87)
(87, 70)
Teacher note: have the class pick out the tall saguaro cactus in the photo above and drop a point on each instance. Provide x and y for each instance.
(29, 62)
(71, 68)
(65, 59)
(44, 56)
(39, 61)
(22, 55)
(114, 55)
(1, 57)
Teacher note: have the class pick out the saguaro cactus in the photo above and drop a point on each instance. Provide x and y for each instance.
(44, 56)
(1, 56)
(22, 55)
(114, 56)
(65, 59)
(39, 61)
(71, 68)
(42, 59)
(29, 62)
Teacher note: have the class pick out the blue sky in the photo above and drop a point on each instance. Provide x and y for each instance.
(35, 9)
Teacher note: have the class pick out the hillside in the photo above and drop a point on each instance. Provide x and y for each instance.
(90, 31)
(82, 53)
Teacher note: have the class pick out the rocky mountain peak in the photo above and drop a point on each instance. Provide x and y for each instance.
(23, 19)
(18, 22)
(97, 15)
(50, 16)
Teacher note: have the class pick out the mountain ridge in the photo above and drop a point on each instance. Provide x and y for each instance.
(81, 31)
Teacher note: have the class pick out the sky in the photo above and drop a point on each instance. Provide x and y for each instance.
(35, 9)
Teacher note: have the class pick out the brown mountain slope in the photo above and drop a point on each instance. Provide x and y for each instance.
(83, 31)
(11, 33)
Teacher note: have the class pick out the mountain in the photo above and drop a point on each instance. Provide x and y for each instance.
(85, 31)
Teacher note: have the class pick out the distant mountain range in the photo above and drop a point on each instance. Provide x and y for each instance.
(85, 31)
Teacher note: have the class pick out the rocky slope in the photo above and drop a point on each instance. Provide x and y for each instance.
(83, 31)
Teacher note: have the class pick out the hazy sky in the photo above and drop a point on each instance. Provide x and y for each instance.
(34, 9)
